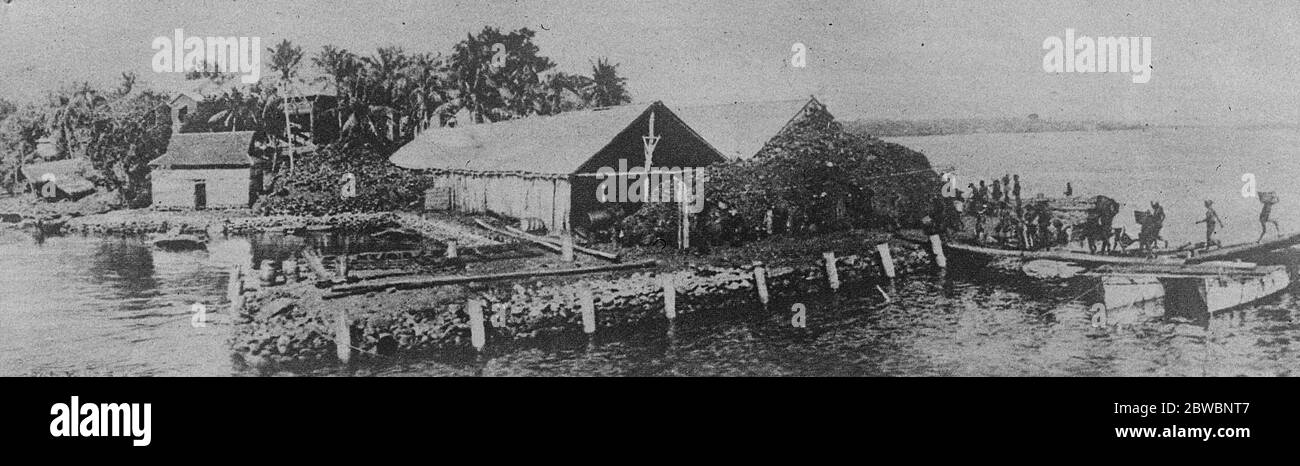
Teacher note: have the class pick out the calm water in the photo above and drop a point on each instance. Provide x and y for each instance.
(87, 305)
(91, 305)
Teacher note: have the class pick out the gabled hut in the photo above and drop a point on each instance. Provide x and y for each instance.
(542, 169)
(205, 170)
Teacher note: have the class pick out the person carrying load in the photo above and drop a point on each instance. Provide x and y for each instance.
(1151, 223)
(1268, 199)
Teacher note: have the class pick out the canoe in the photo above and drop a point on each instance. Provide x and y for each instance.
(179, 242)
(1244, 250)
(1063, 256)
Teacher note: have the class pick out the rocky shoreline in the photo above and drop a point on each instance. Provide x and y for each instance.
(150, 221)
(293, 325)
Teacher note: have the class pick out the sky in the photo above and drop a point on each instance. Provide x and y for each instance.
(1214, 62)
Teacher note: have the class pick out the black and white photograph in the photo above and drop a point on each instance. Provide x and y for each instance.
(667, 188)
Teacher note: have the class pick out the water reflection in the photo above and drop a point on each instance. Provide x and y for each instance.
(90, 305)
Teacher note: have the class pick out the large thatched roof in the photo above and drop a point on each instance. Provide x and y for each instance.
(549, 145)
(561, 144)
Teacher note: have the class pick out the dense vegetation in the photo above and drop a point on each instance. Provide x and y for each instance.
(119, 131)
(380, 102)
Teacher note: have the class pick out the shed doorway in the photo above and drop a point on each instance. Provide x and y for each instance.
(200, 195)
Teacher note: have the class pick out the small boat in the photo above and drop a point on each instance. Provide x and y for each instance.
(1080, 258)
(1245, 250)
(175, 241)
(289, 230)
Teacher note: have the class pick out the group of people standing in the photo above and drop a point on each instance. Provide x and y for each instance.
(1001, 215)
(999, 203)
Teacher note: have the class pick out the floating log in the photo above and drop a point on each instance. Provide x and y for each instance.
(361, 288)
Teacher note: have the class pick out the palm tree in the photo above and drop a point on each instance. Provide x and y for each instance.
(285, 58)
(565, 92)
(240, 110)
(608, 88)
(493, 93)
(344, 69)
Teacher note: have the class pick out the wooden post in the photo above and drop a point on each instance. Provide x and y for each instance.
(343, 336)
(670, 295)
(936, 244)
(566, 247)
(685, 230)
(451, 249)
(290, 270)
(886, 259)
(760, 282)
(587, 303)
(477, 337)
(267, 274)
(343, 267)
(832, 274)
(235, 290)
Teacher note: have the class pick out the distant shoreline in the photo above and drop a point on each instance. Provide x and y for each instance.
(891, 128)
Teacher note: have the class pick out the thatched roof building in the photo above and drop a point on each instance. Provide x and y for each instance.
(542, 167)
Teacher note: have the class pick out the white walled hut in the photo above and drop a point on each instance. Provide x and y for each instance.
(205, 171)
(542, 168)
